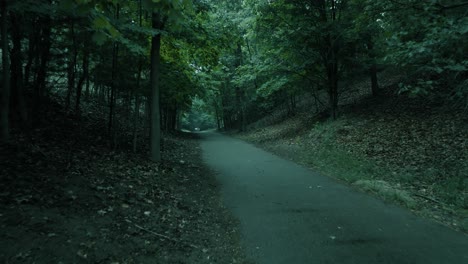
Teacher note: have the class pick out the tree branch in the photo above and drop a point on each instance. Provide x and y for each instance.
(442, 7)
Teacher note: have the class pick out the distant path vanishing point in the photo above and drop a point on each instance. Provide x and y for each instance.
(292, 215)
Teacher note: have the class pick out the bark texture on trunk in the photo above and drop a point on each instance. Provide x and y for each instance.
(155, 113)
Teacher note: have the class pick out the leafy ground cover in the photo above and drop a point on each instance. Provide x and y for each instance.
(404, 150)
(66, 197)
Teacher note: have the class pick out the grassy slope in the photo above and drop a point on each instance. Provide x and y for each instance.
(400, 149)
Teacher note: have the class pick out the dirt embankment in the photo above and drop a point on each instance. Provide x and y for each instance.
(66, 197)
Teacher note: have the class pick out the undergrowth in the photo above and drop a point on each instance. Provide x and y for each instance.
(352, 168)
(410, 155)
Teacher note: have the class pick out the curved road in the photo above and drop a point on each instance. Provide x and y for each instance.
(291, 215)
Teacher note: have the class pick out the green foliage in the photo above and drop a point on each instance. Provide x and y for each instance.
(244, 58)
(198, 116)
(428, 42)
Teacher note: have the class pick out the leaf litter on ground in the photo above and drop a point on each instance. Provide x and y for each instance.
(418, 150)
(67, 197)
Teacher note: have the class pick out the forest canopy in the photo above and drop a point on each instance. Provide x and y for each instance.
(233, 62)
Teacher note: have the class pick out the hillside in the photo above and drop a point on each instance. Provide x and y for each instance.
(68, 197)
(404, 150)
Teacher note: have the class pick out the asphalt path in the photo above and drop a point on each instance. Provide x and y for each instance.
(290, 214)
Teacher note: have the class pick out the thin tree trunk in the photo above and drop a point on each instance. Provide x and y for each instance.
(147, 103)
(5, 91)
(292, 99)
(224, 112)
(112, 99)
(174, 119)
(374, 80)
(44, 51)
(136, 116)
(72, 64)
(330, 54)
(244, 119)
(17, 85)
(167, 118)
(136, 113)
(45, 57)
(87, 88)
(83, 77)
(136, 110)
(373, 68)
(217, 115)
(333, 82)
(240, 93)
(164, 117)
(31, 55)
(155, 123)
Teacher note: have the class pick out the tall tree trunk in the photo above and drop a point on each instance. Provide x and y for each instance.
(239, 93)
(136, 116)
(223, 108)
(330, 53)
(33, 40)
(334, 64)
(173, 119)
(374, 80)
(100, 93)
(155, 122)
(72, 63)
(5, 91)
(217, 115)
(83, 77)
(17, 85)
(112, 98)
(373, 68)
(87, 87)
(147, 118)
(136, 110)
(165, 118)
(332, 75)
(177, 121)
(44, 58)
(333, 89)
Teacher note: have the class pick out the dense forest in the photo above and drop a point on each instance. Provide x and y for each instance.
(129, 75)
(236, 60)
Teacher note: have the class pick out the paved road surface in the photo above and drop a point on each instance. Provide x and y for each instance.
(291, 215)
